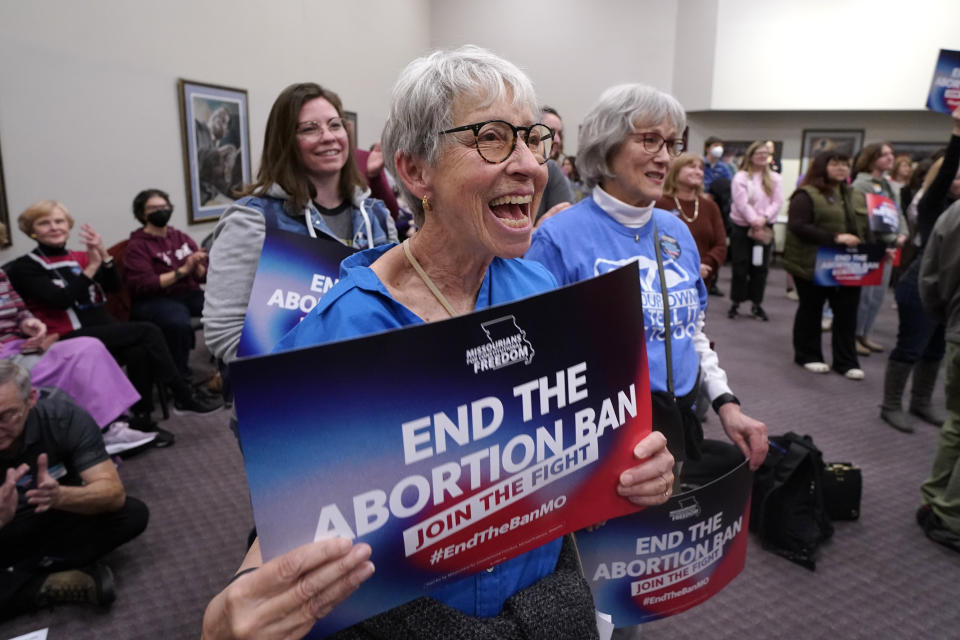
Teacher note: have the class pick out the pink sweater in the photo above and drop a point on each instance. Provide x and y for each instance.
(751, 202)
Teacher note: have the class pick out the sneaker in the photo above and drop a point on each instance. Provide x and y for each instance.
(792, 295)
(192, 403)
(816, 367)
(733, 313)
(870, 344)
(119, 437)
(93, 585)
(862, 349)
(715, 290)
(164, 439)
(934, 528)
(853, 374)
(759, 313)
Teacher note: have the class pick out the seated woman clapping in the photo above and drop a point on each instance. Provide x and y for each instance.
(81, 367)
(66, 289)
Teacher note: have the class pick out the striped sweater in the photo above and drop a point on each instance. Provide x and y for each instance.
(12, 311)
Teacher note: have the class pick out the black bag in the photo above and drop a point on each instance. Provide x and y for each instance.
(842, 486)
(788, 511)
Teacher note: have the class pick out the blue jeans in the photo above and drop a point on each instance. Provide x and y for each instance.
(871, 299)
(918, 336)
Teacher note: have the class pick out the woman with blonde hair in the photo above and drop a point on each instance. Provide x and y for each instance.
(757, 198)
(683, 195)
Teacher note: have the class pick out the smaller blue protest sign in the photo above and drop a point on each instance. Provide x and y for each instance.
(293, 274)
(883, 214)
(858, 266)
(669, 558)
(944, 93)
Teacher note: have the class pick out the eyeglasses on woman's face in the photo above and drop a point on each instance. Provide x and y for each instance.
(313, 129)
(652, 143)
(495, 140)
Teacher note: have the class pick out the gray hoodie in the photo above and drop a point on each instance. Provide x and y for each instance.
(238, 241)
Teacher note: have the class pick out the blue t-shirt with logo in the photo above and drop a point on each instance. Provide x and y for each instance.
(584, 241)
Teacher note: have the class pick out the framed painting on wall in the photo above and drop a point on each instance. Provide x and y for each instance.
(848, 141)
(916, 150)
(4, 212)
(215, 129)
(350, 117)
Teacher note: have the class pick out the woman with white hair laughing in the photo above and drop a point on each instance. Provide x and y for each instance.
(463, 140)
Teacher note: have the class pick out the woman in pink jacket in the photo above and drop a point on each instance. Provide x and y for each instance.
(757, 198)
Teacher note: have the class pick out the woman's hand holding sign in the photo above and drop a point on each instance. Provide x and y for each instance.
(650, 482)
(286, 596)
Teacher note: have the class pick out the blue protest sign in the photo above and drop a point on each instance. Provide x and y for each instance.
(451, 446)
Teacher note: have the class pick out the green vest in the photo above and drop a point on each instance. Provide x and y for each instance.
(845, 214)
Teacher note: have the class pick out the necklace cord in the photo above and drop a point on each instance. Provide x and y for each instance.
(426, 279)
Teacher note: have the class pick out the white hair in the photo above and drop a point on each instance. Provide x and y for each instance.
(619, 112)
(10, 371)
(423, 98)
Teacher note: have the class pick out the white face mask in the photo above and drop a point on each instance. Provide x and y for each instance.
(716, 152)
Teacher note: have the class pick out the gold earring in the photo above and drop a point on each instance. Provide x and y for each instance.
(426, 203)
(33, 235)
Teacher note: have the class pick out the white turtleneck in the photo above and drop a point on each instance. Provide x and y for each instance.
(625, 214)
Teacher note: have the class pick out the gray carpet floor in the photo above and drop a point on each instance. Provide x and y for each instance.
(878, 577)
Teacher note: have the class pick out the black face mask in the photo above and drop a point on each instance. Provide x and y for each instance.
(159, 218)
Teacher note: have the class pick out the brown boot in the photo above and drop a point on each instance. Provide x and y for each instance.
(93, 585)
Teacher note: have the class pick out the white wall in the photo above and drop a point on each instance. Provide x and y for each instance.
(572, 49)
(696, 42)
(829, 54)
(88, 90)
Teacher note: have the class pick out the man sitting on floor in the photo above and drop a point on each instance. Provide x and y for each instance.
(62, 505)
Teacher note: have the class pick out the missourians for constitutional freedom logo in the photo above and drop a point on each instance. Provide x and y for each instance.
(506, 344)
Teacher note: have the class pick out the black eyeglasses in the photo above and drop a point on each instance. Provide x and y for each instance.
(495, 140)
(653, 142)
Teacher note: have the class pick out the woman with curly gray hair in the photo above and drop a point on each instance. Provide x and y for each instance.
(463, 140)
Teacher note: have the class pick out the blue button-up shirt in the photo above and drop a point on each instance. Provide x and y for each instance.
(712, 172)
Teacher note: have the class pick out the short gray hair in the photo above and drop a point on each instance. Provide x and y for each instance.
(10, 371)
(422, 102)
(616, 115)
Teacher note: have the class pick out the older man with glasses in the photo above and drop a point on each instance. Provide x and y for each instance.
(62, 504)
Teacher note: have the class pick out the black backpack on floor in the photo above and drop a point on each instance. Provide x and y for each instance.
(787, 510)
